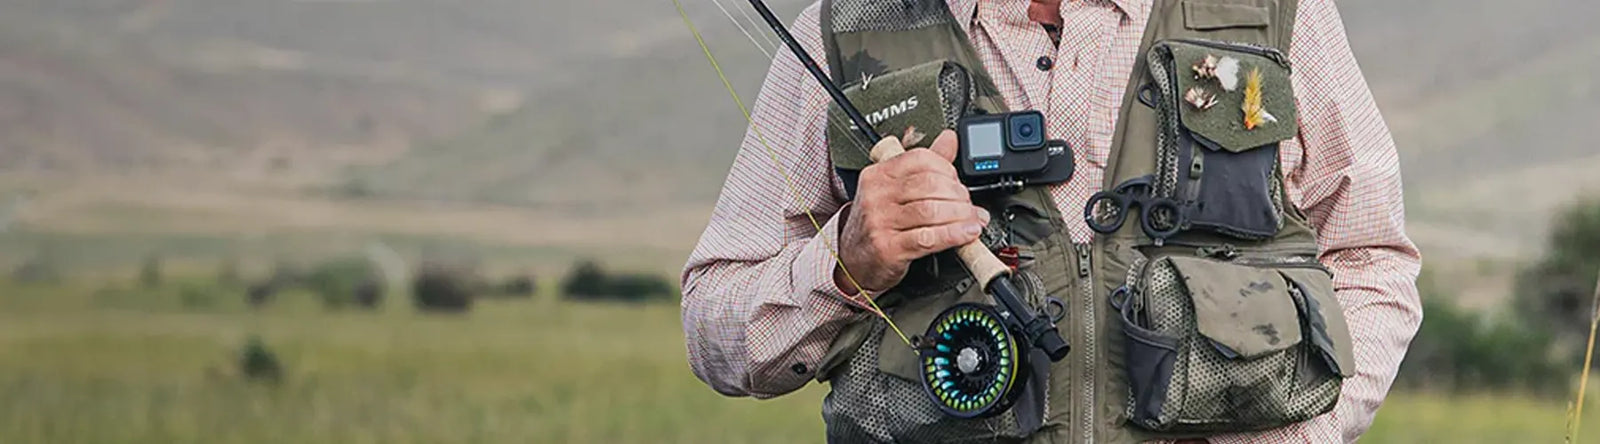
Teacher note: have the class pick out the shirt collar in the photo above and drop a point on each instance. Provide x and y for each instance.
(963, 10)
(1128, 7)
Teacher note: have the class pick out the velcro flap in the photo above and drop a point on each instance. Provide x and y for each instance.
(1221, 125)
(1247, 312)
(895, 101)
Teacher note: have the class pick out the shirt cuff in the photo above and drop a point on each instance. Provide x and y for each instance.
(820, 258)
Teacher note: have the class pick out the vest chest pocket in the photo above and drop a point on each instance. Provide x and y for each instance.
(1227, 20)
(1216, 346)
(1224, 107)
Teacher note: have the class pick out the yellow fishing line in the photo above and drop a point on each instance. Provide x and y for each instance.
(787, 181)
(1583, 378)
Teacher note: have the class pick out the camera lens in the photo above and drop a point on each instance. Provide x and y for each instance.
(1026, 130)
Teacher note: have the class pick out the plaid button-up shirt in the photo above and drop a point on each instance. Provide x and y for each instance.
(760, 305)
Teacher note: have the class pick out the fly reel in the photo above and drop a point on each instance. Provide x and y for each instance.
(972, 364)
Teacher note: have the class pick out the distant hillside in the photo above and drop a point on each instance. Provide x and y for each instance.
(606, 110)
(1492, 104)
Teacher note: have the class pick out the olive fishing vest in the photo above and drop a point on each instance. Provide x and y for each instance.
(1228, 326)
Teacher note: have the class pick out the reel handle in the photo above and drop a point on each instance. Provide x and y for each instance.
(1039, 330)
(984, 266)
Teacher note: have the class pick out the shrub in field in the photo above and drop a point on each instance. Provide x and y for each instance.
(639, 287)
(345, 282)
(585, 279)
(150, 272)
(1557, 292)
(1457, 350)
(193, 296)
(259, 363)
(38, 269)
(438, 287)
(260, 293)
(523, 286)
(589, 281)
(369, 293)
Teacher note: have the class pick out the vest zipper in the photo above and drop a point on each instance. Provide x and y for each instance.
(1171, 155)
(1231, 251)
(1086, 404)
(1139, 270)
(1270, 53)
(1167, 156)
(1294, 262)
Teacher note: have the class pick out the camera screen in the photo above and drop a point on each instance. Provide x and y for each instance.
(984, 140)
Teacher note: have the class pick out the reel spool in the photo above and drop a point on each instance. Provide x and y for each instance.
(972, 365)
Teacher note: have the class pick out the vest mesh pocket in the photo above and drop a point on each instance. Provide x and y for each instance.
(877, 15)
(1221, 347)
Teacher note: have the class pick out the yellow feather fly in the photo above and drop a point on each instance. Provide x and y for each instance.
(1254, 115)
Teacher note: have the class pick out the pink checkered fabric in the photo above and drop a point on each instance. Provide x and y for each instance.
(759, 303)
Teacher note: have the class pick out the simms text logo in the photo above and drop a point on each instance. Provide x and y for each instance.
(887, 112)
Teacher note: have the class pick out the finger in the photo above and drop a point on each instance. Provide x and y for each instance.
(919, 161)
(887, 148)
(928, 213)
(920, 242)
(946, 146)
(868, 183)
(931, 186)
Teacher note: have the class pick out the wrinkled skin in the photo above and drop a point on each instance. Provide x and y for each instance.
(907, 207)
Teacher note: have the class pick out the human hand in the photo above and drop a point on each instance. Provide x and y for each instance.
(906, 207)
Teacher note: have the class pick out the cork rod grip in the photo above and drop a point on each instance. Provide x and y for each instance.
(978, 258)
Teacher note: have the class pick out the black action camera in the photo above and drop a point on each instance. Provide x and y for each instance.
(999, 146)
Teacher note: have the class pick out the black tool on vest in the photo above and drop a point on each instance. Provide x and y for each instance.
(1106, 211)
(985, 348)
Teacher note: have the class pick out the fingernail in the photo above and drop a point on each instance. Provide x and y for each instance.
(983, 215)
(974, 229)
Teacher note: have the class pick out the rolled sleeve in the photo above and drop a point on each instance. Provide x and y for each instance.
(760, 306)
(760, 328)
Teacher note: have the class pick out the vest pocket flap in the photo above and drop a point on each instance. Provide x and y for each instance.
(1243, 358)
(1205, 16)
(1233, 97)
(1325, 318)
(896, 101)
(1246, 312)
(914, 316)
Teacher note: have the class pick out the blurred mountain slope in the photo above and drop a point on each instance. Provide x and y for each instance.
(607, 109)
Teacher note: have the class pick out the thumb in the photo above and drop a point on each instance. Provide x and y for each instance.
(945, 145)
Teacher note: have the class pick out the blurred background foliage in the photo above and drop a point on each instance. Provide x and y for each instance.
(422, 221)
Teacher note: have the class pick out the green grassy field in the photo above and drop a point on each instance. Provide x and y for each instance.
(91, 364)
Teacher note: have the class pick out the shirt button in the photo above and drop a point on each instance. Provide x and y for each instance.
(1045, 63)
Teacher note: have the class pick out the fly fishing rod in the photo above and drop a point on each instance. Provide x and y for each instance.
(968, 381)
